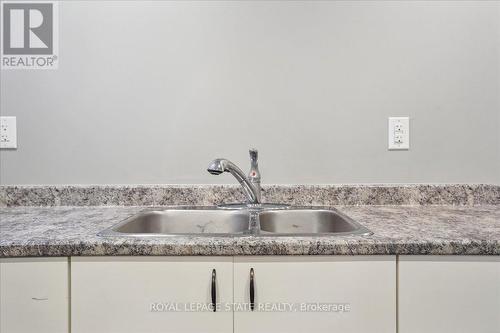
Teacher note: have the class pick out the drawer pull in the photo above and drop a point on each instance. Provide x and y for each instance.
(214, 291)
(252, 290)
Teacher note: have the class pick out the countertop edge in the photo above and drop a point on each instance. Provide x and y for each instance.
(312, 248)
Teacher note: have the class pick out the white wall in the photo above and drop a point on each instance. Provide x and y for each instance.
(150, 92)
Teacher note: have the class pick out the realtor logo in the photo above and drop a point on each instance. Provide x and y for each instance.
(29, 35)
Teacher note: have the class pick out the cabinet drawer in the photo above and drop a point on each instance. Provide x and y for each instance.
(150, 294)
(34, 295)
(323, 294)
(449, 294)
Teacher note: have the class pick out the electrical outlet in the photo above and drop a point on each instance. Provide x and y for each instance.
(399, 133)
(8, 132)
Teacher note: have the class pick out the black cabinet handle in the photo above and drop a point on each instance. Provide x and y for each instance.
(214, 291)
(252, 291)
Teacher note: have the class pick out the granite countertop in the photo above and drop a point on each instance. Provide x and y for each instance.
(398, 229)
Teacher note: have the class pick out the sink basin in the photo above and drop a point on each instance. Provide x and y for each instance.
(184, 222)
(241, 220)
(308, 222)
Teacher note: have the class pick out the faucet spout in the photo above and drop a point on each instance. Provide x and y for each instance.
(220, 165)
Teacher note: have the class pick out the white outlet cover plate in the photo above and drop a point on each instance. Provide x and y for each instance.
(399, 133)
(8, 133)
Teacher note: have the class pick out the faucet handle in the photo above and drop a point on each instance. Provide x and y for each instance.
(254, 174)
(254, 154)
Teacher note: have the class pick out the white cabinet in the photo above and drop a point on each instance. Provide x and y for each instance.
(34, 295)
(449, 294)
(445, 294)
(150, 294)
(288, 293)
(141, 294)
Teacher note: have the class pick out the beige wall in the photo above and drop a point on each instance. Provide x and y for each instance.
(150, 92)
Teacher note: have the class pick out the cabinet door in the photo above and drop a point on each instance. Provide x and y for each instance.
(316, 294)
(449, 294)
(150, 294)
(34, 295)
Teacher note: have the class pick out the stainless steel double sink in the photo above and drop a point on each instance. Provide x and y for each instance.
(273, 220)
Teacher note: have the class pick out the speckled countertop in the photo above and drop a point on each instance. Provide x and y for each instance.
(447, 228)
(72, 231)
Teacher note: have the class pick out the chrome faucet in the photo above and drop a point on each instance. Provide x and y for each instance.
(251, 185)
